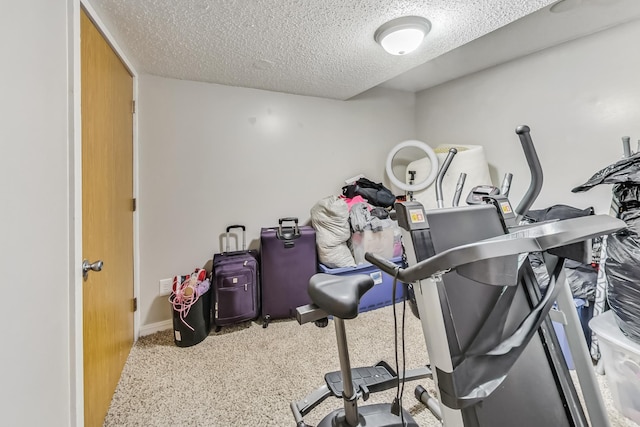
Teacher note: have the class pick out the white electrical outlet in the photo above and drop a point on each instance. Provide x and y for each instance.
(165, 286)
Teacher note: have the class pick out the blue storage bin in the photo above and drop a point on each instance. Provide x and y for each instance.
(380, 294)
(585, 313)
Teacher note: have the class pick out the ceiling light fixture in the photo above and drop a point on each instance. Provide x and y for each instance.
(402, 35)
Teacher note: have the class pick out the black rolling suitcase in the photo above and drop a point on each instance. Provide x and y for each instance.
(236, 286)
(287, 261)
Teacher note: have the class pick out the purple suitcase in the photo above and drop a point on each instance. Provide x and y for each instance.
(287, 262)
(236, 290)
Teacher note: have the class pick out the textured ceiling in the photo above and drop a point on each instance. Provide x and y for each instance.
(320, 48)
(564, 21)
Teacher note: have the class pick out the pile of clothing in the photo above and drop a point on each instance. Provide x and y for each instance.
(356, 222)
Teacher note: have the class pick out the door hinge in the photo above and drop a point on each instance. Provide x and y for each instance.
(135, 304)
(134, 204)
(133, 106)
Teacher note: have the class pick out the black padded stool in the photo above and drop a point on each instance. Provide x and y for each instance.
(339, 296)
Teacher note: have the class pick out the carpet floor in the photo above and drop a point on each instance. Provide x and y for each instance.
(245, 375)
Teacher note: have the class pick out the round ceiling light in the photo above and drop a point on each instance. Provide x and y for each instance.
(402, 35)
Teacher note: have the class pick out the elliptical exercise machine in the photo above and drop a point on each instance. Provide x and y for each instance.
(494, 354)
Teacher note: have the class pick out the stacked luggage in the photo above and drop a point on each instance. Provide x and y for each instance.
(272, 284)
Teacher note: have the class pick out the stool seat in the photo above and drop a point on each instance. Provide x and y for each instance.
(339, 296)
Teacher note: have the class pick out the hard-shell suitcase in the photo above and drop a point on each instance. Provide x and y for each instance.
(287, 261)
(236, 286)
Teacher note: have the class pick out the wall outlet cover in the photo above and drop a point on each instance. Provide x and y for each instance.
(166, 286)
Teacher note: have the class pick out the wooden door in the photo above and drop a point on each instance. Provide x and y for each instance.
(107, 218)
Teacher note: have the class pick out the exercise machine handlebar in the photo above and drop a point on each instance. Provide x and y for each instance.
(506, 184)
(459, 186)
(441, 173)
(539, 237)
(455, 257)
(626, 146)
(534, 167)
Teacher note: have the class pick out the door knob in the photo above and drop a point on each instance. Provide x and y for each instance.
(86, 266)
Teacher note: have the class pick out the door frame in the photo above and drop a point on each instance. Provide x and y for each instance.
(76, 342)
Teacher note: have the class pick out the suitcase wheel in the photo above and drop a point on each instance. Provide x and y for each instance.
(265, 321)
(322, 323)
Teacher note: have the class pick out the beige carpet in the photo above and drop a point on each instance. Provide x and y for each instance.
(247, 376)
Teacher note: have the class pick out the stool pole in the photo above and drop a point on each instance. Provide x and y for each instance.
(348, 395)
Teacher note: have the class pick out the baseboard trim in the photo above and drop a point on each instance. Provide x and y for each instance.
(152, 328)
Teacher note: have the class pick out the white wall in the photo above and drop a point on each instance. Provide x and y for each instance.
(212, 156)
(579, 98)
(205, 163)
(34, 218)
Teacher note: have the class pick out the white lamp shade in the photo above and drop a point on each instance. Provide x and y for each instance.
(402, 41)
(402, 35)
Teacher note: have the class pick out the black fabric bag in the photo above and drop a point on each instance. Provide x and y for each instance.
(375, 193)
(557, 212)
(581, 277)
(623, 171)
(622, 268)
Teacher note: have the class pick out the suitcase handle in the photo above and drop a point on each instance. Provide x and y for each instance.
(289, 218)
(244, 232)
(296, 230)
